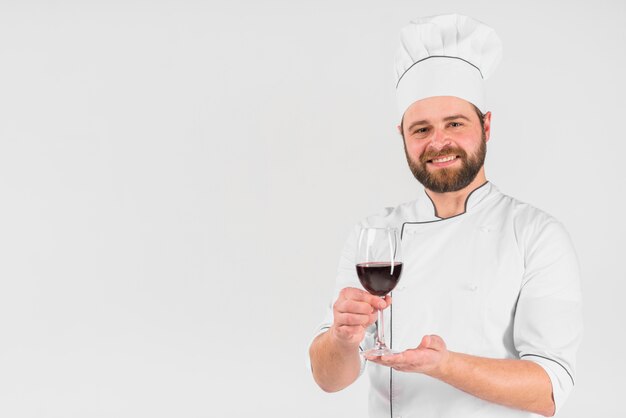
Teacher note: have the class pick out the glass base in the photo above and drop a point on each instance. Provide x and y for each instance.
(377, 352)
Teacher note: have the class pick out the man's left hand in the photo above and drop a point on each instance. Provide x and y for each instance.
(429, 357)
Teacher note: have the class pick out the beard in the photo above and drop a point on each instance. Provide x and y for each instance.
(445, 180)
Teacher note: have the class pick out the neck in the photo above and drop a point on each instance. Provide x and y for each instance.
(453, 203)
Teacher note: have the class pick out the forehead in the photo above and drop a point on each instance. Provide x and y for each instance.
(437, 108)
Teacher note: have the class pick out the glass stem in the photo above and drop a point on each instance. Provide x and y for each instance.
(380, 327)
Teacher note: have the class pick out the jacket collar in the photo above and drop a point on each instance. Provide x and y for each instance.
(426, 208)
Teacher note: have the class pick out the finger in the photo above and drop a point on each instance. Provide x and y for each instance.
(351, 319)
(352, 306)
(393, 359)
(381, 302)
(425, 342)
(353, 293)
(362, 296)
(373, 318)
(432, 342)
(374, 359)
(435, 342)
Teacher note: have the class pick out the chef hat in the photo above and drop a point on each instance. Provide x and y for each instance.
(445, 55)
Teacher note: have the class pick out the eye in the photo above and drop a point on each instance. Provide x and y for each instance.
(455, 124)
(420, 132)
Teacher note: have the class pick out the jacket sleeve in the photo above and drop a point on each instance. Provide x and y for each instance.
(548, 318)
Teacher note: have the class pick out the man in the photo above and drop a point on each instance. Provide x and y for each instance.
(487, 312)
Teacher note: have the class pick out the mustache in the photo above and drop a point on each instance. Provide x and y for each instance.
(431, 155)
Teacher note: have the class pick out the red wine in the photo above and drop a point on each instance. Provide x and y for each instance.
(379, 278)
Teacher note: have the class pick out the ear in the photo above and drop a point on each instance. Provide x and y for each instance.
(399, 129)
(487, 126)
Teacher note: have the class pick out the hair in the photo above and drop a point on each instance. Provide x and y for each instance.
(481, 119)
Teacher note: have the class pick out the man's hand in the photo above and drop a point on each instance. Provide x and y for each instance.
(429, 357)
(335, 358)
(354, 311)
(515, 383)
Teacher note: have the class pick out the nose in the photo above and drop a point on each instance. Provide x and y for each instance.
(439, 140)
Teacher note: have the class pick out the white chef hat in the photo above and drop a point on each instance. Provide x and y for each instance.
(445, 55)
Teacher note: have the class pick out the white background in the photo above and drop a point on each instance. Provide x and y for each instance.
(177, 179)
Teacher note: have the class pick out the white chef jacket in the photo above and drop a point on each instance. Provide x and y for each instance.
(500, 280)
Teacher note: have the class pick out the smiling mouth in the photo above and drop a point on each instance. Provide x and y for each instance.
(445, 159)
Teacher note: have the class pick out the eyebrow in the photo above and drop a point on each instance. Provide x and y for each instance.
(446, 119)
(459, 116)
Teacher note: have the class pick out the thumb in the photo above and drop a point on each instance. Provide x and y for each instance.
(434, 342)
(425, 342)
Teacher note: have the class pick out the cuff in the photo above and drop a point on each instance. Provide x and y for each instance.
(561, 378)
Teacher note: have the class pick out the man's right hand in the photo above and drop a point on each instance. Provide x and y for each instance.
(354, 311)
(335, 359)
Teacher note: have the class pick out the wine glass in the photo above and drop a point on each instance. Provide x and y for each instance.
(379, 265)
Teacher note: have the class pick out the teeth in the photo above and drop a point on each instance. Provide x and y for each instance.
(444, 159)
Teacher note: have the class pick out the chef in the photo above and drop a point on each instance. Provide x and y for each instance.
(487, 314)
